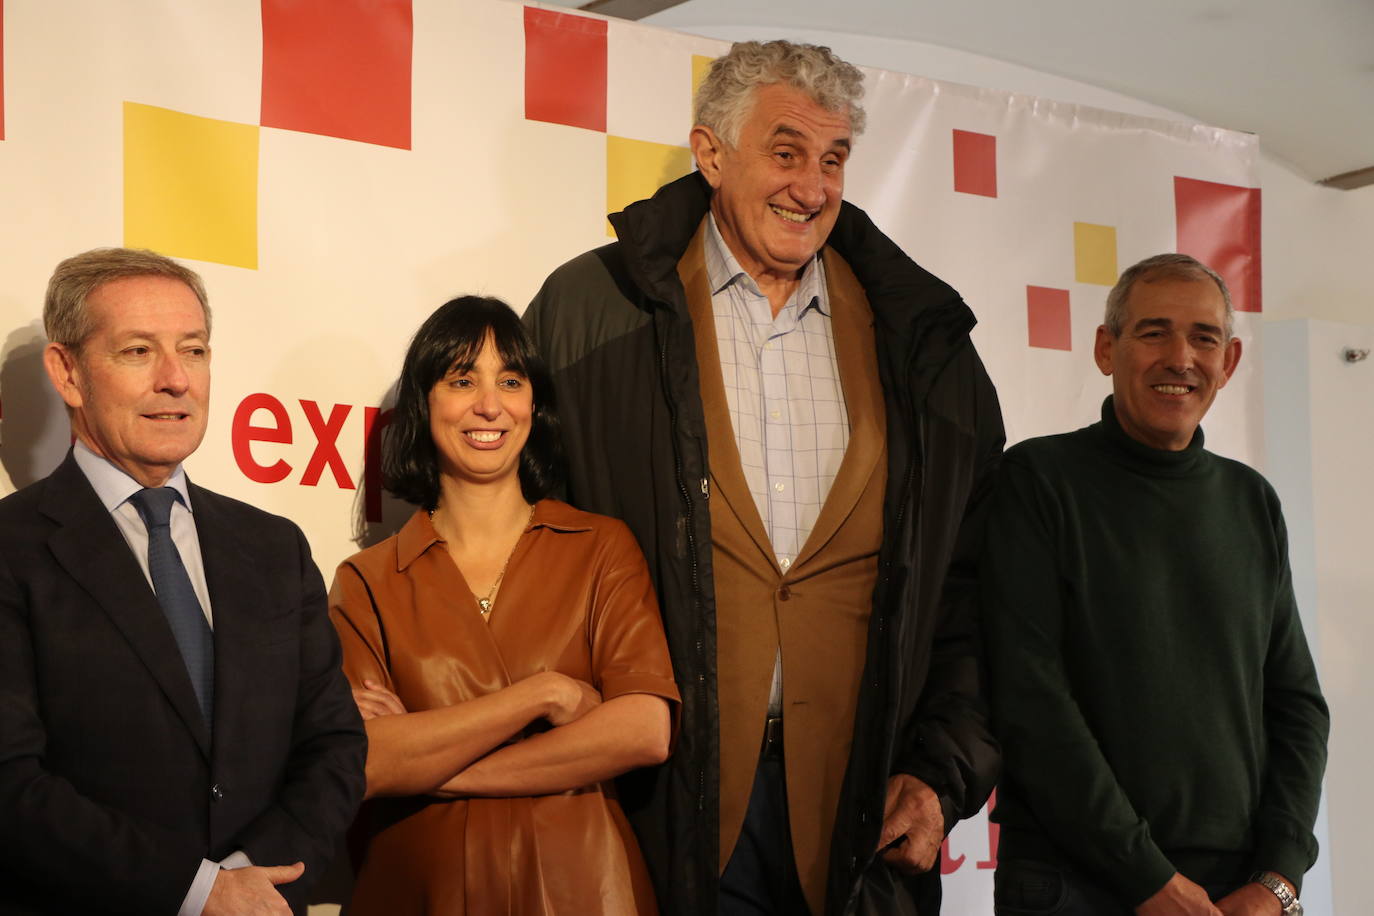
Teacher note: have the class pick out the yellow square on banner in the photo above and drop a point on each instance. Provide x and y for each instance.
(1094, 254)
(701, 65)
(190, 186)
(635, 169)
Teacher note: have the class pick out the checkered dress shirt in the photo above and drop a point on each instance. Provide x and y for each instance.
(782, 385)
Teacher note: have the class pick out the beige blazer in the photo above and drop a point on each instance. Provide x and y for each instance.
(818, 610)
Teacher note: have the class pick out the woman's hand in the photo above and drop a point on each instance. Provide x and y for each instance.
(570, 699)
(374, 700)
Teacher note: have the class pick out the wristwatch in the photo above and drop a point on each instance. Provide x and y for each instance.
(1287, 899)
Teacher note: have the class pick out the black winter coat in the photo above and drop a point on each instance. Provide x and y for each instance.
(614, 328)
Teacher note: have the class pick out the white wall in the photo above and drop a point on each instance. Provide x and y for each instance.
(1317, 244)
(1289, 424)
(1342, 446)
(1321, 447)
(1316, 250)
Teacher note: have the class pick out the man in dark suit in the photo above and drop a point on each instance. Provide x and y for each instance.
(175, 733)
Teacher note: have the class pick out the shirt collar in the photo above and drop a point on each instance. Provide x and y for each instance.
(112, 485)
(722, 270)
(418, 534)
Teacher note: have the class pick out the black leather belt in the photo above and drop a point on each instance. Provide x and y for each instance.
(772, 738)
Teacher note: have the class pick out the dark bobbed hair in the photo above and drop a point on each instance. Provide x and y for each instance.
(452, 338)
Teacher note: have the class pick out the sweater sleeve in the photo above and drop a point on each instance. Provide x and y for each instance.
(1296, 725)
(1052, 758)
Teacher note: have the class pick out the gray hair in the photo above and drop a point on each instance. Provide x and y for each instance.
(67, 320)
(1169, 266)
(726, 95)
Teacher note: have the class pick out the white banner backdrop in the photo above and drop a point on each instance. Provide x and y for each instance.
(336, 169)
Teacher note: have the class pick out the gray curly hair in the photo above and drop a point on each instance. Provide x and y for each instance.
(1168, 266)
(726, 95)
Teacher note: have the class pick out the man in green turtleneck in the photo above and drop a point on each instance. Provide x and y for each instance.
(1163, 732)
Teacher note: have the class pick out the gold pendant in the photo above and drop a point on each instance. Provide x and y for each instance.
(484, 604)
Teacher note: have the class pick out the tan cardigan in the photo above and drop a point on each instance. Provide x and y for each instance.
(817, 611)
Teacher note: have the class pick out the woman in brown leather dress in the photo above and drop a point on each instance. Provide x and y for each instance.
(505, 650)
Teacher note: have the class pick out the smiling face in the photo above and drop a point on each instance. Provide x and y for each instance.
(1170, 361)
(778, 192)
(139, 384)
(480, 417)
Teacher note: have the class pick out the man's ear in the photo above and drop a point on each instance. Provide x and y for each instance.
(707, 149)
(64, 371)
(1102, 349)
(1230, 360)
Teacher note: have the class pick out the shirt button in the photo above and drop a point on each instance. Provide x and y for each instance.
(775, 414)
(768, 345)
(779, 486)
(216, 793)
(785, 563)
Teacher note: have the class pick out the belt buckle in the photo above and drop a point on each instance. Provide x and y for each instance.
(772, 737)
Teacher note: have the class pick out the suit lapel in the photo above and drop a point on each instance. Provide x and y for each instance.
(238, 602)
(727, 472)
(90, 548)
(852, 322)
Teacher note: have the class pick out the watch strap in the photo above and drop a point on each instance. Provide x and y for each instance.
(1279, 887)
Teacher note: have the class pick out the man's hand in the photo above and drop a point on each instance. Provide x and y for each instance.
(375, 700)
(1250, 900)
(913, 819)
(1180, 897)
(252, 891)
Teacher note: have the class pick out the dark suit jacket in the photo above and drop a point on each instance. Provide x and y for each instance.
(111, 790)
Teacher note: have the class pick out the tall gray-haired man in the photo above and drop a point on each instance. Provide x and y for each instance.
(789, 414)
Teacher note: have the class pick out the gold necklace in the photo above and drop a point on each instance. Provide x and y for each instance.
(484, 603)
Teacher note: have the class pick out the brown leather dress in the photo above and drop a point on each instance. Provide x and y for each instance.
(576, 599)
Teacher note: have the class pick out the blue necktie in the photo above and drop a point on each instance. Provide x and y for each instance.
(176, 594)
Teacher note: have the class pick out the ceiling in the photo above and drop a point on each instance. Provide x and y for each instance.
(1300, 73)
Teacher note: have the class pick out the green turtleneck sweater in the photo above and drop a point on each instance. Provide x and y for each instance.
(1152, 689)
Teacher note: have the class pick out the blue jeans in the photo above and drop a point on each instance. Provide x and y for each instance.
(761, 877)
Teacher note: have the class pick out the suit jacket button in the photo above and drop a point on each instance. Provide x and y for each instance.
(784, 593)
(216, 793)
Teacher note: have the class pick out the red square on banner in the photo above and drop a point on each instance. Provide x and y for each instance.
(340, 68)
(1219, 224)
(565, 69)
(975, 163)
(1047, 318)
